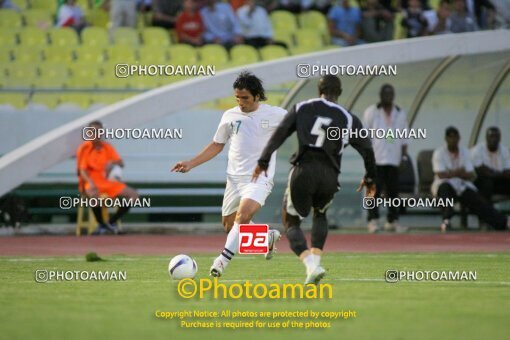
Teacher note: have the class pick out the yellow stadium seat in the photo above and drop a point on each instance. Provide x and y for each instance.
(27, 54)
(95, 36)
(64, 37)
(90, 54)
(81, 82)
(6, 54)
(283, 36)
(10, 19)
(49, 5)
(20, 70)
(8, 36)
(283, 20)
(84, 4)
(51, 100)
(151, 54)
(300, 50)
(273, 52)
(49, 69)
(126, 36)
(121, 54)
(400, 32)
(143, 82)
(50, 83)
(243, 55)
(19, 82)
(182, 54)
(155, 36)
(40, 18)
(113, 83)
(309, 39)
(107, 98)
(31, 36)
(61, 54)
(316, 21)
(85, 70)
(213, 54)
(82, 99)
(97, 17)
(18, 100)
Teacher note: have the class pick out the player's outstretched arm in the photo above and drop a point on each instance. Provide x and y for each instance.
(208, 153)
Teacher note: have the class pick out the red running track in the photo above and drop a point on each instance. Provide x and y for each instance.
(172, 244)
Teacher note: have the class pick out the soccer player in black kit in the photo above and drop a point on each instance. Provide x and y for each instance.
(313, 179)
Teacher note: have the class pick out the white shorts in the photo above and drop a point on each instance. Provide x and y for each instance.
(241, 187)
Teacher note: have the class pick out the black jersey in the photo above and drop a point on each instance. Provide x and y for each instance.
(319, 125)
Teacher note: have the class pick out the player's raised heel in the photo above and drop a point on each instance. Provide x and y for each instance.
(316, 276)
(216, 269)
(274, 236)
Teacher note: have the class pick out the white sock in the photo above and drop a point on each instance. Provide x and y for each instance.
(309, 263)
(231, 245)
(317, 259)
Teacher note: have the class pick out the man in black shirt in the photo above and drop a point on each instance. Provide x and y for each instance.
(313, 179)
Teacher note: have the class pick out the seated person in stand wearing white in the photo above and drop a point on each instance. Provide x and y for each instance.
(492, 165)
(70, 15)
(454, 173)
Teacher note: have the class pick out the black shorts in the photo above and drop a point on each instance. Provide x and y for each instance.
(311, 185)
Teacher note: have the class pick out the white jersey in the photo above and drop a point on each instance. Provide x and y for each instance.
(248, 134)
(499, 160)
(387, 151)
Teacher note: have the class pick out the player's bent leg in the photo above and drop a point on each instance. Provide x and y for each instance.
(231, 244)
(228, 221)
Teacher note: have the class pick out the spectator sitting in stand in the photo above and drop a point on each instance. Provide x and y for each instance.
(462, 21)
(377, 23)
(414, 20)
(345, 24)
(164, 13)
(71, 15)
(442, 23)
(189, 25)
(255, 24)
(221, 24)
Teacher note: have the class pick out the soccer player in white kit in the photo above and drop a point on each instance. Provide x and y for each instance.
(248, 126)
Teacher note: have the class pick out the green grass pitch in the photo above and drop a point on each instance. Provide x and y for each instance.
(126, 310)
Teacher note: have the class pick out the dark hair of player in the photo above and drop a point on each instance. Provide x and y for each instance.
(451, 131)
(493, 130)
(330, 86)
(96, 123)
(248, 81)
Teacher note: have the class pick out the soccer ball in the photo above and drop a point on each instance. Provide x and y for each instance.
(115, 173)
(182, 267)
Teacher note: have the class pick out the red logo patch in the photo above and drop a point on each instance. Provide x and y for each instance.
(253, 239)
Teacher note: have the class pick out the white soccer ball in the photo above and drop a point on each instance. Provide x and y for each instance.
(182, 267)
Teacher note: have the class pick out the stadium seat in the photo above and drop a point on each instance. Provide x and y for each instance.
(283, 20)
(50, 83)
(97, 17)
(6, 54)
(309, 39)
(85, 70)
(49, 5)
(49, 69)
(155, 36)
(27, 54)
(63, 37)
(18, 100)
(90, 54)
(8, 36)
(51, 100)
(81, 83)
(24, 82)
(125, 36)
(40, 18)
(182, 54)
(314, 20)
(213, 54)
(85, 4)
(121, 54)
(143, 82)
(273, 52)
(283, 36)
(61, 54)
(300, 50)
(107, 98)
(82, 99)
(243, 55)
(400, 32)
(113, 83)
(31, 36)
(10, 19)
(95, 36)
(151, 54)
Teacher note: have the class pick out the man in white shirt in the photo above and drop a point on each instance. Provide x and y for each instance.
(255, 24)
(454, 173)
(248, 126)
(388, 154)
(492, 164)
